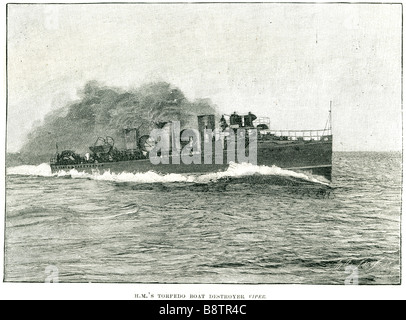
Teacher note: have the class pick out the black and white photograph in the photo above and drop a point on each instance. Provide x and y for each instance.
(203, 143)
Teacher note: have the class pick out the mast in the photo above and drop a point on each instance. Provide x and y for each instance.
(328, 126)
(330, 118)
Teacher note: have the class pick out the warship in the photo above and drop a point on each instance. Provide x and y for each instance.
(302, 151)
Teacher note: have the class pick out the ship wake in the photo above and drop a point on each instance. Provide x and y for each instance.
(42, 170)
(235, 172)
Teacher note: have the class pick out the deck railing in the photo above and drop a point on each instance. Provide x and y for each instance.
(306, 135)
(262, 120)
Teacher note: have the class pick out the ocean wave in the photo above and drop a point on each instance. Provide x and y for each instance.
(233, 171)
(128, 210)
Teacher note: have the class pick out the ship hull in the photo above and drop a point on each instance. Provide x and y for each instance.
(313, 157)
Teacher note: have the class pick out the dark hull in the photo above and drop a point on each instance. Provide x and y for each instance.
(312, 157)
(309, 157)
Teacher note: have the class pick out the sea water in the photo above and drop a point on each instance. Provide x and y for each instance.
(250, 224)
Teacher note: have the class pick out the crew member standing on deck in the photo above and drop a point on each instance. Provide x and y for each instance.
(249, 120)
(223, 123)
(235, 120)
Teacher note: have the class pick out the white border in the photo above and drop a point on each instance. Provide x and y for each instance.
(14, 291)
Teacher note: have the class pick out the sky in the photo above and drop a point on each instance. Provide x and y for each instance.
(283, 61)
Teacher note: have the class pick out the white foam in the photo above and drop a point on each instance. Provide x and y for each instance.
(43, 169)
(233, 171)
(247, 169)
